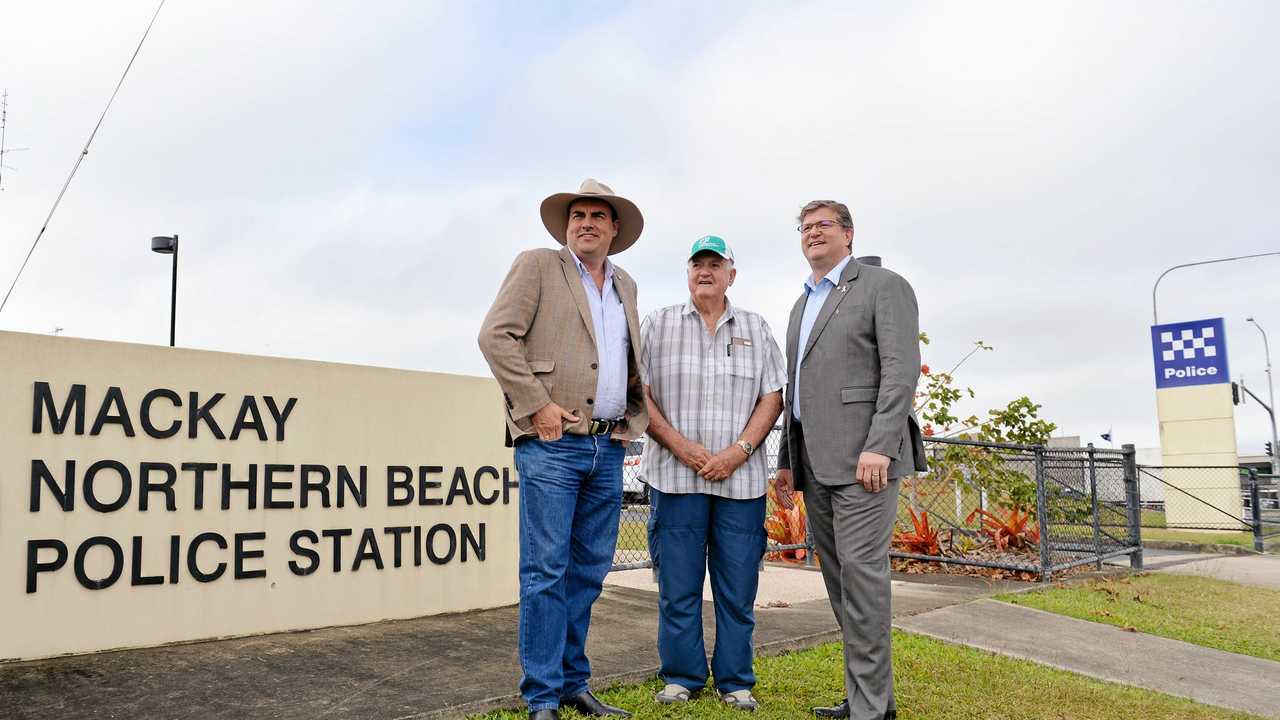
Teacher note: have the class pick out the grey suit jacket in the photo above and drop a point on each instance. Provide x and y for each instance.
(858, 378)
(541, 345)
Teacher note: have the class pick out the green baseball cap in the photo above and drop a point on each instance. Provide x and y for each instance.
(711, 243)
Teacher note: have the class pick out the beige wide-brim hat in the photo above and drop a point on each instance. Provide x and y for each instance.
(555, 213)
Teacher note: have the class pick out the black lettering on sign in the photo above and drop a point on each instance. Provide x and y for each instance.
(337, 536)
(508, 485)
(424, 484)
(322, 487)
(242, 553)
(480, 496)
(117, 562)
(460, 486)
(399, 485)
(35, 566)
(249, 406)
(367, 550)
(91, 495)
(145, 415)
(280, 416)
(135, 575)
(43, 400)
(114, 400)
(193, 569)
(146, 487)
(313, 557)
(250, 486)
(272, 485)
(346, 483)
(65, 493)
(199, 469)
(396, 532)
(469, 540)
(197, 412)
(451, 539)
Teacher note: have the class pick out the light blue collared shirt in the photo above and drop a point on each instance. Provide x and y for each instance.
(612, 343)
(816, 297)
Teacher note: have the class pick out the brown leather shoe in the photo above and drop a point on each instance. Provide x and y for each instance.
(588, 704)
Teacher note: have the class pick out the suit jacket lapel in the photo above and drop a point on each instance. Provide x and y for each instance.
(793, 333)
(627, 294)
(579, 293)
(834, 298)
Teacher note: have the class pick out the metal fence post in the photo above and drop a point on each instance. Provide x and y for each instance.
(1093, 506)
(1255, 500)
(1133, 503)
(1045, 564)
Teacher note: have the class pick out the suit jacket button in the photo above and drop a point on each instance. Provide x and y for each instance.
(594, 366)
(590, 401)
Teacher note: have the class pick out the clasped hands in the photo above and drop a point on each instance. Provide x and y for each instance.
(713, 468)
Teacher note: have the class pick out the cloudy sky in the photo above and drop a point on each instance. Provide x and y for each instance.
(350, 181)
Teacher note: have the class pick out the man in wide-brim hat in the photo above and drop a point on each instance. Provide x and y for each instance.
(562, 339)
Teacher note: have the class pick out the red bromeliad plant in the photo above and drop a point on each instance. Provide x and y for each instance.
(786, 525)
(1013, 531)
(922, 540)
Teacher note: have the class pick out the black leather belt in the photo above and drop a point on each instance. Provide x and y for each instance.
(602, 427)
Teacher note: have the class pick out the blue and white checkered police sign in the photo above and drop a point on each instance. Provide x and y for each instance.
(1190, 353)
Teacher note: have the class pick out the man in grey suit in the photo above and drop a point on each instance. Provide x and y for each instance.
(853, 359)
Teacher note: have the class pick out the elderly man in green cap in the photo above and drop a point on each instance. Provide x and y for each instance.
(713, 377)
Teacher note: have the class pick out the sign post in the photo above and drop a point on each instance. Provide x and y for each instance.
(1197, 424)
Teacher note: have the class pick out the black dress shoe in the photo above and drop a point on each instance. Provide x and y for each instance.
(544, 714)
(839, 710)
(588, 704)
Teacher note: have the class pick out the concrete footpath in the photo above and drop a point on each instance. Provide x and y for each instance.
(434, 667)
(1108, 653)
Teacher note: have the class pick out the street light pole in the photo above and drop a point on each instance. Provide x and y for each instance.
(1271, 392)
(1155, 316)
(166, 245)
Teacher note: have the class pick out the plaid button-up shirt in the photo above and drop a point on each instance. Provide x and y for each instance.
(707, 385)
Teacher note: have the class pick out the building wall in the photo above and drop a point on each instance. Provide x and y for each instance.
(189, 568)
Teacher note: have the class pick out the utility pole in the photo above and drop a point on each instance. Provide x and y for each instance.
(1271, 392)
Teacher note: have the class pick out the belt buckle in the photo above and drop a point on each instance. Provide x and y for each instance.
(597, 427)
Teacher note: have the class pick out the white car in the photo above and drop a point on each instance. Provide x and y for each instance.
(634, 489)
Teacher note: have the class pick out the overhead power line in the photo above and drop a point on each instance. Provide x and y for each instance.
(80, 157)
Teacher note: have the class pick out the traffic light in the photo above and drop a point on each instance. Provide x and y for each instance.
(1235, 393)
(1269, 449)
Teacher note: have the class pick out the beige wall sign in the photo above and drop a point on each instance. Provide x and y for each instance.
(151, 495)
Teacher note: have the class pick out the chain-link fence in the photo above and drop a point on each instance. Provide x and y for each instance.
(1020, 508)
(1212, 504)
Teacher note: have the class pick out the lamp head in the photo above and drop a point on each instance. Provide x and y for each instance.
(164, 244)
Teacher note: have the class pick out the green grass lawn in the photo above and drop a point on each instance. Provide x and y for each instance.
(1204, 611)
(1241, 539)
(932, 680)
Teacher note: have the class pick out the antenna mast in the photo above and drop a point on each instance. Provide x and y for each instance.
(4, 121)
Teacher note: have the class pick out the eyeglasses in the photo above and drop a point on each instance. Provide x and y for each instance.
(823, 225)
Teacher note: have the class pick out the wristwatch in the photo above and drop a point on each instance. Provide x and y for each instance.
(747, 447)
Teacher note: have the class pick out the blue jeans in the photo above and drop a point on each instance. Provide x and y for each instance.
(570, 501)
(689, 533)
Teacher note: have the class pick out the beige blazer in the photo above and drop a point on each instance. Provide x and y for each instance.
(858, 377)
(540, 344)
